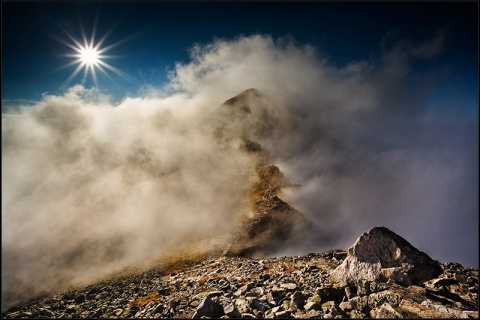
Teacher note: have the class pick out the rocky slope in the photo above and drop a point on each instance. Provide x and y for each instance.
(220, 286)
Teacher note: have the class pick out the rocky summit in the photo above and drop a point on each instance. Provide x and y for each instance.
(374, 279)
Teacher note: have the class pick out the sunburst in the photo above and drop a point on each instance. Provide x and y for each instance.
(89, 56)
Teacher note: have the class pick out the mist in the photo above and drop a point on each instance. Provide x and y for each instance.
(89, 185)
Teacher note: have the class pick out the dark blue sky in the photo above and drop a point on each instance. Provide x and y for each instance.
(158, 34)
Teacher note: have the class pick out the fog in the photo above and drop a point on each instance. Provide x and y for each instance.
(89, 185)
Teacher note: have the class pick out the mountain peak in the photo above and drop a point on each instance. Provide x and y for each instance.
(245, 95)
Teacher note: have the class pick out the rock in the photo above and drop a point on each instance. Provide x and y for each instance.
(194, 303)
(416, 294)
(346, 306)
(385, 311)
(331, 294)
(242, 305)
(80, 299)
(314, 314)
(46, 313)
(256, 304)
(397, 275)
(208, 308)
(231, 310)
(314, 298)
(275, 295)
(360, 304)
(248, 316)
(415, 310)
(313, 306)
(283, 315)
(244, 289)
(350, 292)
(297, 299)
(255, 292)
(337, 312)
(393, 297)
(355, 314)
(444, 282)
(215, 294)
(117, 312)
(289, 286)
(380, 249)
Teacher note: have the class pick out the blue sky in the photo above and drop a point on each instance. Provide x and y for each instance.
(156, 35)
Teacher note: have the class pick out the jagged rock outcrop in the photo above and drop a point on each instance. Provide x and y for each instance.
(268, 222)
(381, 255)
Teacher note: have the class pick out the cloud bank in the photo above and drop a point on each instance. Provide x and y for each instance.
(89, 186)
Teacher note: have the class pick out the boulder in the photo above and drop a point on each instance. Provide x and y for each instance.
(208, 308)
(380, 255)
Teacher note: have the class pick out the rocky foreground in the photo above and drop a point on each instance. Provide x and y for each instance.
(381, 276)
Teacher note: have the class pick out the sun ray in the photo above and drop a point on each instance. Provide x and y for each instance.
(88, 54)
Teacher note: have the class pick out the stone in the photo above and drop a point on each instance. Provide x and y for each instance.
(355, 314)
(331, 294)
(275, 295)
(444, 282)
(283, 315)
(289, 286)
(242, 305)
(231, 310)
(255, 292)
(380, 249)
(416, 294)
(259, 305)
(385, 311)
(208, 308)
(388, 296)
(314, 298)
(327, 306)
(337, 312)
(244, 289)
(314, 314)
(346, 306)
(80, 298)
(248, 316)
(359, 303)
(313, 306)
(117, 312)
(415, 310)
(215, 294)
(297, 300)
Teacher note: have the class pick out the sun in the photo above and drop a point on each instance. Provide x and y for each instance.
(89, 56)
